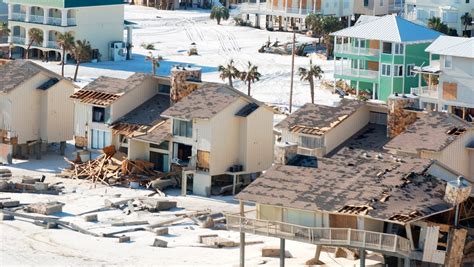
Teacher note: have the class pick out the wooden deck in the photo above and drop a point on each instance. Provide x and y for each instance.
(344, 237)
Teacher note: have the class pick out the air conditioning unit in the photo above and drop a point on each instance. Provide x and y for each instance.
(118, 51)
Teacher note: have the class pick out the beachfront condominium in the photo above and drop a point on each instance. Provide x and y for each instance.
(100, 22)
(376, 56)
(284, 13)
(450, 74)
(449, 11)
(378, 7)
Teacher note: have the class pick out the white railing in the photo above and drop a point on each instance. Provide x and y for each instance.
(53, 44)
(253, 6)
(71, 21)
(19, 40)
(36, 19)
(320, 235)
(371, 74)
(349, 49)
(54, 21)
(426, 91)
(18, 16)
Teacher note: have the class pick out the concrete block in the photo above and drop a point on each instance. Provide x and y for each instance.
(91, 218)
(6, 217)
(5, 172)
(51, 225)
(41, 186)
(219, 242)
(45, 208)
(161, 231)
(7, 203)
(124, 239)
(29, 180)
(201, 237)
(160, 243)
(158, 204)
(274, 252)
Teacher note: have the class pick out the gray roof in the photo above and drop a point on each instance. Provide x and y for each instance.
(389, 28)
(430, 132)
(16, 72)
(148, 113)
(452, 46)
(320, 117)
(158, 134)
(207, 101)
(116, 86)
(396, 191)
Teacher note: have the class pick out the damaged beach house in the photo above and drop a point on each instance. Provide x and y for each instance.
(368, 177)
(213, 137)
(35, 110)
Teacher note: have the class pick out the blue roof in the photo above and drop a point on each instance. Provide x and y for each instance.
(389, 28)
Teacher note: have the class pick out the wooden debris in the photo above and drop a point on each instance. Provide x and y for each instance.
(5, 173)
(153, 204)
(7, 203)
(132, 223)
(346, 253)
(219, 242)
(161, 231)
(202, 237)
(45, 208)
(113, 167)
(274, 252)
(123, 239)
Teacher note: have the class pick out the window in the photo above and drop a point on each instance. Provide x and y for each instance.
(381, 2)
(450, 17)
(387, 48)
(448, 62)
(398, 70)
(98, 114)
(163, 88)
(366, 3)
(183, 128)
(163, 145)
(386, 70)
(410, 72)
(100, 139)
(398, 49)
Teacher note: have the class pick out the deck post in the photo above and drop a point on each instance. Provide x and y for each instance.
(184, 183)
(406, 262)
(234, 181)
(362, 257)
(242, 238)
(282, 252)
(317, 254)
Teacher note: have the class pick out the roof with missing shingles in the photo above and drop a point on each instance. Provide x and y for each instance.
(434, 131)
(318, 119)
(206, 102)
(16, 72)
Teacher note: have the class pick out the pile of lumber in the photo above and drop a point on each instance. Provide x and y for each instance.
(112, 167)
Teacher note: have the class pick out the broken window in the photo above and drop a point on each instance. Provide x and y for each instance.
(182, 128)
(98, 114)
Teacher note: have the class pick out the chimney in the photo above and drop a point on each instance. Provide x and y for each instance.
(182, 78)
(284, 152)
(399, 118)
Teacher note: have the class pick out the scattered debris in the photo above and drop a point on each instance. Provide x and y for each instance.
(6, 217)
(113, 167)
(160, 243)
(31, 185)
(45, 208)
(161, 231)
(8, 203)
(219, 242)
(346, 253)
(274, 252)
(123, 239)
(91, 218)
(5, 173)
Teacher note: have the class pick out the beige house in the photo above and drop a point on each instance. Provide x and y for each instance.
(101, 22)
(221, 136)
(34, 107)
(378, 7)
(104, 101)
(442, 137)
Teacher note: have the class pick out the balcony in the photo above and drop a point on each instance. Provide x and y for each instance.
(253, 7)
(54, 21)
(19, 40)
(369, 74)
(18, 16)
(352, 50)
(71, 21)
(36, 19)
(52, 44)
(426, 92)
(374, 241)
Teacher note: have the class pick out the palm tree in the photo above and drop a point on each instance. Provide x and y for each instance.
(229, 71)
(466, 20)
(436, 24)
(4, 30)
(314, 71)
(66, 43)
(315, 24)
(36, 37)
(330, 25)
(219, 12)
(250, 76)
(155, 62)
(81, 51)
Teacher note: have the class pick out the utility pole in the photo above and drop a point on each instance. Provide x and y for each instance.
(292, 68)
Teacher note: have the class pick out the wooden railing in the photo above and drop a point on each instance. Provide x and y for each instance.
(374, 241)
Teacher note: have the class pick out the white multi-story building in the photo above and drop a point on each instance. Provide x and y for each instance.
(451, 73)
(378, 7)
(293, 12)
(101, 22)
(450, 12)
